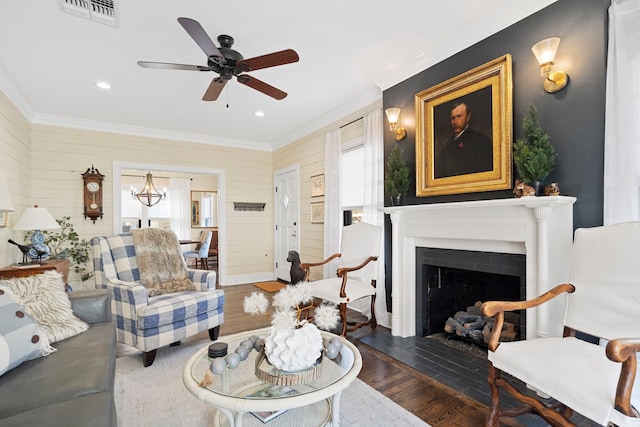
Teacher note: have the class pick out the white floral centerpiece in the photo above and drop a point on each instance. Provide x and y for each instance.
(294, 342)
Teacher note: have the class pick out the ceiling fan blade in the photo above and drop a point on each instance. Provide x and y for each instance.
(214, 89)
(200, 36)
(261, 86)
(271, 60)
(168, 66)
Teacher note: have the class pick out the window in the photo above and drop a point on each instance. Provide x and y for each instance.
(352, 173)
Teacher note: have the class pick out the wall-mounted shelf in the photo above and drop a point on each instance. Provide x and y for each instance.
(248, 206)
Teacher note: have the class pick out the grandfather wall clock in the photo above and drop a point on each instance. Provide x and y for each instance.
(92, 194)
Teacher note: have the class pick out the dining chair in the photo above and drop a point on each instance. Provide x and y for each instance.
(201, 252)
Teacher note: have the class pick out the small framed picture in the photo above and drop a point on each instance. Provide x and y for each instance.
(317, 185)
(317, 213)
(4, 217)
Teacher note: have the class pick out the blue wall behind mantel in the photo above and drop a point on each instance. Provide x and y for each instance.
(574, 117)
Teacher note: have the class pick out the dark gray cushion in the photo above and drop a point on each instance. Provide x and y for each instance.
(88, 411)
(83, 365)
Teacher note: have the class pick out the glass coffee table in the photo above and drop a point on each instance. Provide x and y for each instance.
(314, 403)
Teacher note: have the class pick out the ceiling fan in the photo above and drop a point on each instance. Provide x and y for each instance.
(227, 63)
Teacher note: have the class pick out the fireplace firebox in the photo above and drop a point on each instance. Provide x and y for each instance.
(449, 280)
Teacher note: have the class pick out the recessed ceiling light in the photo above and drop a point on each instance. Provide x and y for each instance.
(103, 85)
(259, 113)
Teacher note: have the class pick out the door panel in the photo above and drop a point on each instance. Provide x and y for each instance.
(287, 218)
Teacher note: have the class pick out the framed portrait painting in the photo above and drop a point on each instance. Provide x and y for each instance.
(463, 132)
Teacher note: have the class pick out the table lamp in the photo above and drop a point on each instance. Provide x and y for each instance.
(36, 219)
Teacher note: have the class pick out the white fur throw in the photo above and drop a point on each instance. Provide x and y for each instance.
(44, 298)
(160, 261)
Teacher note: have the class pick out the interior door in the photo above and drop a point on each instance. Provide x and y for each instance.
(287, 219)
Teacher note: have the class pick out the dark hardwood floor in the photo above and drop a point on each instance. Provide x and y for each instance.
(428, 399)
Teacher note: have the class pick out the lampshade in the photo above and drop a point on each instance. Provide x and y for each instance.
(36, 218)
(392, 114)
(5, 200)
(545, 51)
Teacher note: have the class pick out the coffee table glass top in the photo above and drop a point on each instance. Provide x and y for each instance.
(242, 381)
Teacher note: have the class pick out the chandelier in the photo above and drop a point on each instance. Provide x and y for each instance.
(148, 196)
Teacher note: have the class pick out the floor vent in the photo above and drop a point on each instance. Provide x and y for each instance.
(103, 11)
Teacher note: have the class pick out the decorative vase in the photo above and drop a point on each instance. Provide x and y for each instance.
(291, 349)
(396, 200)
(539, 187)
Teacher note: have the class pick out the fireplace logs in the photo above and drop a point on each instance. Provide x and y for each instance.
(472, 325)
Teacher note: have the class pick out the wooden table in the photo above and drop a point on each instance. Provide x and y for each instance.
(60, 265)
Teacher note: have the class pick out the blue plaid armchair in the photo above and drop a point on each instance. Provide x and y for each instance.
(149, 323)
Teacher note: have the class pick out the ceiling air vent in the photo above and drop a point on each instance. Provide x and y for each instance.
(103, 11)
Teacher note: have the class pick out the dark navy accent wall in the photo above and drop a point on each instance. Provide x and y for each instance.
(574, 117)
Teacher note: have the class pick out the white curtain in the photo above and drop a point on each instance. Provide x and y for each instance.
(373, 191)
(622, 127)
(332, 215)
(180, 196)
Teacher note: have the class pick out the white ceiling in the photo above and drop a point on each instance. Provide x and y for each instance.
(349, 52)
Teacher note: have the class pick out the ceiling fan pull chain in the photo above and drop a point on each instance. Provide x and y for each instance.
(227, 96)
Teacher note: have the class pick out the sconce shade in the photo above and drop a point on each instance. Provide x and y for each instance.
(5, 200)
(36, 218)
(545, 50)
(393, 115)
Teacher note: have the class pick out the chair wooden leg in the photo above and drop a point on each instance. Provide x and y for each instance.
(214, 332)
(374, 321)
(493, 418)
(343, 317)
(148, 357)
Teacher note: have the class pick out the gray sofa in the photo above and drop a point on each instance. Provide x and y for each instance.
(73, 386)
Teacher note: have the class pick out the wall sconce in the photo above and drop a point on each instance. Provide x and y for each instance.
(392, 115)
(545, 52)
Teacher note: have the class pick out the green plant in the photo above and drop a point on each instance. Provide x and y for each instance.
(396, 177)
(66, 243)
(533, 155)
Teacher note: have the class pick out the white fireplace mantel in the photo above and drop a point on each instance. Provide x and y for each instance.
(539, 227)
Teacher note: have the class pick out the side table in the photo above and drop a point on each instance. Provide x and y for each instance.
(60, 265)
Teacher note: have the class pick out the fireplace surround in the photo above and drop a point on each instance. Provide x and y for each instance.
(541, 228)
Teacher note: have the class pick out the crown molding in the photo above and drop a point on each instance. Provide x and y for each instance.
(336, 114)
(69, 122)
(12, 93)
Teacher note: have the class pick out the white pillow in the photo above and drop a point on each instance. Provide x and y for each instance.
(43, 296)
(21, 338)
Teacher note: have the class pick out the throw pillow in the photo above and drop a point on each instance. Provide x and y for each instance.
(21, 338)
(43, 296)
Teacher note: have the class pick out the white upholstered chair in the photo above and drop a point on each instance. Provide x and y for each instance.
(357, 272)
(602, 301)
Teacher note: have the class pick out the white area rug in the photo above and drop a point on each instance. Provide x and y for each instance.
(156, 397)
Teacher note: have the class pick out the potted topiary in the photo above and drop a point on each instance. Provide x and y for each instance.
(533, 155)
(396, 177)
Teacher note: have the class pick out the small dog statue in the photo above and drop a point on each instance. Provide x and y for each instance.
(297, 274)
(520, 189)
(552, 189)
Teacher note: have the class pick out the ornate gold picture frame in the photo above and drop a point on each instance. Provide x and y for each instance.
(476, 108)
